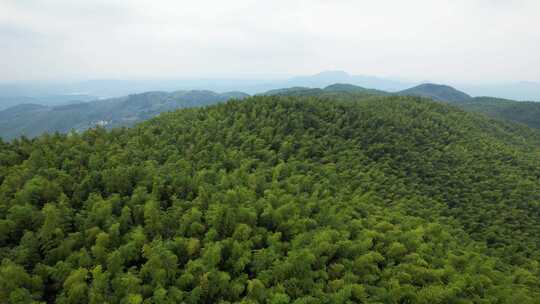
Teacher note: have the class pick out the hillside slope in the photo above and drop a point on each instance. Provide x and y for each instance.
(34, 120)
(527, 113)
(294, 91)
(276, 200)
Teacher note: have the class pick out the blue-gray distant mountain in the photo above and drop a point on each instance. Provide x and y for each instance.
(108, 88)
(63, 92)
(327, 78)
(437, 92)
(32, 120)
(49, 100)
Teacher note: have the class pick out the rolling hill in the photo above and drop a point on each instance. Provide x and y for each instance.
(433, 91)
(276, 199)
(45, 93)
(437, 92)
(294, 91)
(527, 113)
(337, 89)
(33, 120)
(47, 100)
(344, 87)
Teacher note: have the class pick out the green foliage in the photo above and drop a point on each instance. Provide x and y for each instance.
(527, 113)
(276, 200)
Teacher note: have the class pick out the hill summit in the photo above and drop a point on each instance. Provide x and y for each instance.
(438, 92)
(275, 200)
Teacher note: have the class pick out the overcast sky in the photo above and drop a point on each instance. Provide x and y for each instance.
(438, 40)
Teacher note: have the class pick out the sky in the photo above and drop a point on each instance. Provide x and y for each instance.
(467, 41)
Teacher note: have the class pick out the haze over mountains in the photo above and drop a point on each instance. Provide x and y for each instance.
(32, 119)
(59, 93)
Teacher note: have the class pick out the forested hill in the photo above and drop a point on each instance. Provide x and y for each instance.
(339, 90)
(437, 92)
(276, 200)
(527, 113)
(33, 120)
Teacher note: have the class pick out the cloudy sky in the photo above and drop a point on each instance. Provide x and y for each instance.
(439, 40)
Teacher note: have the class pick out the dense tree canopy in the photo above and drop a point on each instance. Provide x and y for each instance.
(276, 200)
(527, 113)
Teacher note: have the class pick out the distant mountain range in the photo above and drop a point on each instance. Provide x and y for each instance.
(60, 93)
(334, 88)
(33, 119)
(427, 90)
(327, 78)
(50, 100)
(527, 113)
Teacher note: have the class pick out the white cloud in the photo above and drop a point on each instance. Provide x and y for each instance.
(445, 40)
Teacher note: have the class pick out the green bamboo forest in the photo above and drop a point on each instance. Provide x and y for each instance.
(274, 200)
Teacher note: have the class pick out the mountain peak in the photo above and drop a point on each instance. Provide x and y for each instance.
(337, 73)
(439, 92)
